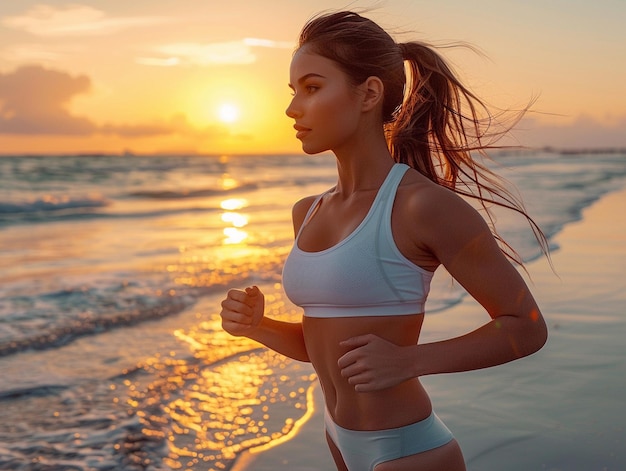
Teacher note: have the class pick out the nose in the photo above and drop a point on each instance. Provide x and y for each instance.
(291, 110)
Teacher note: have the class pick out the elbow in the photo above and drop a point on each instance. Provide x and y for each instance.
(527, 336)
(543, 337)
(537, 335)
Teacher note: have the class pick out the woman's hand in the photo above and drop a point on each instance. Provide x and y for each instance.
(242, 311)
(372, 363)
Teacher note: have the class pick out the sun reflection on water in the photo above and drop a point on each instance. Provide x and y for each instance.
(233, 204)
(234, 236)
(226, 396)
(227, 182)
(233, 233)
(236, 219)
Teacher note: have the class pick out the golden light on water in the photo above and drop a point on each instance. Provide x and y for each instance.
(234, 235)
(297, 425)
(218, 396)
(224, 397)
(214, 396)
(232, 204)
(236, 219)
(227, 182)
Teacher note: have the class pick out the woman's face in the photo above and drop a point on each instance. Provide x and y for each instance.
(325, 106)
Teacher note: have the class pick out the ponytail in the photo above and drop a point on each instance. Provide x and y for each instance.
(430, 131)
(439, 129)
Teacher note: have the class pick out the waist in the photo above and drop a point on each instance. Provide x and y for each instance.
(403, 404)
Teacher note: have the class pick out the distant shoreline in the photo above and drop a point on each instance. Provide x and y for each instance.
(504, 150)
(590, 150)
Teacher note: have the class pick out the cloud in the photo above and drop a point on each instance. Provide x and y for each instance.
(48, 21)
(34, 100)
(178, 124)
(201, 54)
(31, 53)
(268, 43)
(234, 52)
(159, 61)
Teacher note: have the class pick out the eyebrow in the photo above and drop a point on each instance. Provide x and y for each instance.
(306, 77)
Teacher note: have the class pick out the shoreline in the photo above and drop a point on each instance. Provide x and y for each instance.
(560, 409)
(304, 451)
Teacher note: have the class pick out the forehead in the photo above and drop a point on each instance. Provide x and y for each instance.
(306, 63)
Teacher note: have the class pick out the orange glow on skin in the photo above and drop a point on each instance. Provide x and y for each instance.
(534, 315)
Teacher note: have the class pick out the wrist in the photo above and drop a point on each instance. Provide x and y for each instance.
(255, 332)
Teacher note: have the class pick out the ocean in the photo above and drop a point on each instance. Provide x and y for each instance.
(111, 273)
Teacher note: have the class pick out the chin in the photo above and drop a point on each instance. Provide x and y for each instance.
(309, 152)
(312, 150)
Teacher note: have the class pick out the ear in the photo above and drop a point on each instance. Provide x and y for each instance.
(374, 90)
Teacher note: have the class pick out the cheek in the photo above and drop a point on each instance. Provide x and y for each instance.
(324, 105)
(334, 99)
(336, 110)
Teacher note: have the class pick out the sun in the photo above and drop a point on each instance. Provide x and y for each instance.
(228, 113)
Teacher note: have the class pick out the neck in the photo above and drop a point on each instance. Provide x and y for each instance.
(363, 167)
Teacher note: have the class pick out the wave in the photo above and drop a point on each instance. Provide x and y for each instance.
(81, 324)
(51, 208)
(93, 305)
(38, 390)
(88, 431)
(11, 213)
(51, 203)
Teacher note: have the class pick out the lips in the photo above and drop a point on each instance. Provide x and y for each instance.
(301, 131)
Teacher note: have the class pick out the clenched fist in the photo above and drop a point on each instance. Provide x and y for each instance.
(242, 311)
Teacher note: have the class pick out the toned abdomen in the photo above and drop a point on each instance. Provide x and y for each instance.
(393, 407)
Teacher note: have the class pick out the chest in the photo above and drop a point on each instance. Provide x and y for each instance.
(333, 220)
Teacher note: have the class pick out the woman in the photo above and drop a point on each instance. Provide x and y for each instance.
(365, 251)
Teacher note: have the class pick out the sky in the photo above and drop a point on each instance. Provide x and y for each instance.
(209, 77)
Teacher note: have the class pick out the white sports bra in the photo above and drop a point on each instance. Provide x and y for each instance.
(363, 275)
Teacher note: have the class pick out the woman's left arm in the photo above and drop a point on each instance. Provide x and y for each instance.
(460, 239)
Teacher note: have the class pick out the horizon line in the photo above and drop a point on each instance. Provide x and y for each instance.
(129, 153)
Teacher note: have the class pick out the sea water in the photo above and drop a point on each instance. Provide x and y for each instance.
(111, 273)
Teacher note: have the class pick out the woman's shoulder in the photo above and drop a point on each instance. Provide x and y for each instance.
(302, 206)
(306, 201)
(418, 193)
(434, 206)
(300, 210)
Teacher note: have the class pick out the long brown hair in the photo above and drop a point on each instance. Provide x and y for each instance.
(432, 122)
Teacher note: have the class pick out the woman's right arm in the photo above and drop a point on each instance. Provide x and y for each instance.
(243, 315)
(243, 311)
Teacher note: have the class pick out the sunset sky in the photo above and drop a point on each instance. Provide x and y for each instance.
(200, 76)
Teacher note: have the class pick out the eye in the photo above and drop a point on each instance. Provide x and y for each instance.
(307, 89)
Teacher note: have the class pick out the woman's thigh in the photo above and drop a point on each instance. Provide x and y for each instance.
(448, 457)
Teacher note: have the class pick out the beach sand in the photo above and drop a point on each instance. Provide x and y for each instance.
(562, 409)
